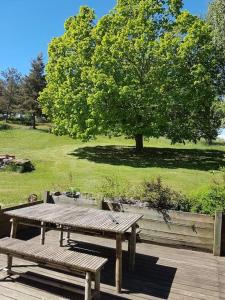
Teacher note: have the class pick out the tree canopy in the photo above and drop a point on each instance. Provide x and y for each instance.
(145, 69)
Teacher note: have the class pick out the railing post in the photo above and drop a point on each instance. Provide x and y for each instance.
(217, 233)
(46, 196)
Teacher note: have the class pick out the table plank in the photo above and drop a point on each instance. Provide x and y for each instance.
(78, 217)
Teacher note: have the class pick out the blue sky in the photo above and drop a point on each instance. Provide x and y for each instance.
(27, 26)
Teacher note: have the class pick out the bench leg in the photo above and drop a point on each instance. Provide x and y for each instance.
(9, 264)
(43, 233)
(97, 284)
(132, 248)
(88, 286)
(61, 236)
(118, 275)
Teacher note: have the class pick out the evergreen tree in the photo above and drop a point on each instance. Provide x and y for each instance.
(9, 91)
(31, 87)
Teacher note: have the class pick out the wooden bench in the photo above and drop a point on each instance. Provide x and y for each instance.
(58, 258)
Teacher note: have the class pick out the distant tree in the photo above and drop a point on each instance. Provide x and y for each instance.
(192, 86)
(2, 104)
(215, 17)
(31, 87)
(9, 96)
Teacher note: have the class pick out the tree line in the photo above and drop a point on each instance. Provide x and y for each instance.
(19, 94)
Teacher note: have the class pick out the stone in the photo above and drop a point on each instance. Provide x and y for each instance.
(9, 162)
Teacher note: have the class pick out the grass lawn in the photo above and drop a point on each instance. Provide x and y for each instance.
(62, 162)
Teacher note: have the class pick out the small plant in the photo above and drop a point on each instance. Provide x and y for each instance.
(73, 192)
(112, 188)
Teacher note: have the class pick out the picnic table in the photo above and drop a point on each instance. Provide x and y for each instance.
(82, 219)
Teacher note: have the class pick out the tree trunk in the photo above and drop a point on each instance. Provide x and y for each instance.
(210, 141)
(33, 121)
(139, 142)
(6, 117)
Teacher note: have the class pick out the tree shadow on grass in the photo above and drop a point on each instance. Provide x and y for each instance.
(170, 158)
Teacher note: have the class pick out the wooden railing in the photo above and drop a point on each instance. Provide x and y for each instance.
(5, 224)
(179, 229)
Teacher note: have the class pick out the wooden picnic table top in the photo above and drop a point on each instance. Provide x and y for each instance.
(78, 217)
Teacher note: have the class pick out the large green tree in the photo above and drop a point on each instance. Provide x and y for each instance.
(126, 67)
(102, 79)
(31, 87)
(140, 71)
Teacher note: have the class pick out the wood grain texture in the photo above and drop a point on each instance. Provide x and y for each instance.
(175, 228)
(53, 255)
(160, 273)
(77, 217)
(217, 233)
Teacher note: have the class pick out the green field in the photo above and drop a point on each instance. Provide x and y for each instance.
(62, 162)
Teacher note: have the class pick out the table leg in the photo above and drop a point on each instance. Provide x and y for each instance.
(61, 236)
(132, 247)
(9, 264)
(43, 225)
(118, 275)
(12, 235)
(88, 286)
(13, 228)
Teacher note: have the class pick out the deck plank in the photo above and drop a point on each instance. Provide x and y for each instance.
(161, 273)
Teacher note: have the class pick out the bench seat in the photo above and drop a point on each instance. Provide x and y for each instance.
(57, 257)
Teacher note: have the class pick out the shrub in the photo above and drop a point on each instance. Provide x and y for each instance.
(153, 193)
(161, 197)
(4, 126)
(212, 200)
(25, 119)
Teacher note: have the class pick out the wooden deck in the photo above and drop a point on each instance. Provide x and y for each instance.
(160, 273)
